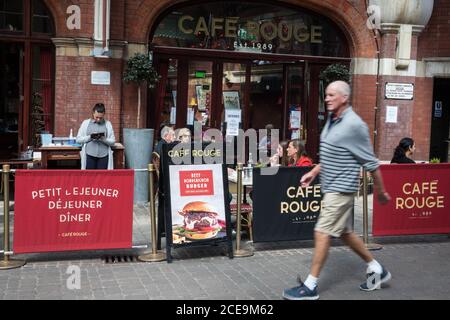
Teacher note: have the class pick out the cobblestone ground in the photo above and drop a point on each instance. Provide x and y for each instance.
(419, 266)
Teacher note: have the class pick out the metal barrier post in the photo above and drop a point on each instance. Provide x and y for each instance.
(240, 252)
(7, 263)
(155, 255)
(370, 246)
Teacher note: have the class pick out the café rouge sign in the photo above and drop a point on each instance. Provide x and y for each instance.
(180, 153)
(266, 30)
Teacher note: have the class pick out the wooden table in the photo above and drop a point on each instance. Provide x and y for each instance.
(62, 153)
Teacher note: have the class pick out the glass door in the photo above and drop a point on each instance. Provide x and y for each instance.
(295, 102)
(233, 91)
(199, 92)
(316, 112)
(266, 96)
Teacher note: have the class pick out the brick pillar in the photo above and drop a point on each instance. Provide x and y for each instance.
(398, 54)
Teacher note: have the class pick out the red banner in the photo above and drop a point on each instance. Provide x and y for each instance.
(420, 200)
(59, 210)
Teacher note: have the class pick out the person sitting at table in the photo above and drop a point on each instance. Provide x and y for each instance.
(167, 136)
(96, 135)
(183, 135)
(403, 151)
(280, 158)
(264, 144)
(297, 154)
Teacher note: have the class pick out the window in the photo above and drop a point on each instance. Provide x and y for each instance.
(27, 106)
(41, 18)
(11, 15)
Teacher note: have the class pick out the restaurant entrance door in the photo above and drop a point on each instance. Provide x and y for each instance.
(440, 123)
(287, 94)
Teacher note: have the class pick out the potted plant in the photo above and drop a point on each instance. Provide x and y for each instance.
(139, 142)
(435, 160)
(335, 72)
(140, 70)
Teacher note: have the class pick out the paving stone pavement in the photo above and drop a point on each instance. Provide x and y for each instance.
(419, 266)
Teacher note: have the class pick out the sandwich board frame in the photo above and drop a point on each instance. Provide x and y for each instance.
(180, 164)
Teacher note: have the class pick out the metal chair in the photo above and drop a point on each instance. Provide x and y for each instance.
(246, 217)
(156, 161)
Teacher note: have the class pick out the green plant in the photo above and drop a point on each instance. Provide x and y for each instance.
(335, 72)
(435, 160)
(140, 70)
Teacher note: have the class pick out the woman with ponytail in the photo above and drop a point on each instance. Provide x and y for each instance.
(403, 151)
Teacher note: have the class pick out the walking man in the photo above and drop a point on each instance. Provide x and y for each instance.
(345, 146)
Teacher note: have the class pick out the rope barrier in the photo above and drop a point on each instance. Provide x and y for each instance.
(370, 246)
(155, 255)
(7, 263)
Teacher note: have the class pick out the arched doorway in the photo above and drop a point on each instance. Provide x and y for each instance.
(26, 75)
(262, 58)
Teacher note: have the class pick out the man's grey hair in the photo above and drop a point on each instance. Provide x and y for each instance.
(342, 87)
(165, 131)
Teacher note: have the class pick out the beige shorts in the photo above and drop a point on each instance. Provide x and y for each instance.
(335, 218)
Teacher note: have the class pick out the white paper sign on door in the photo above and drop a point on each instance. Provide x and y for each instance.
(233, 120)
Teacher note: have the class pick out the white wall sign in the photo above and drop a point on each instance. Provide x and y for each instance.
(101, 77)
(73, 22)
(399, 91)
(391, 114)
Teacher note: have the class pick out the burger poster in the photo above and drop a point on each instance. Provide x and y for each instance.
(197, 203)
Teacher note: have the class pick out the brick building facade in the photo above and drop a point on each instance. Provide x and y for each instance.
(408, 47)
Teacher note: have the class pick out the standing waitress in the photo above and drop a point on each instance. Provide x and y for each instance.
(96, 135)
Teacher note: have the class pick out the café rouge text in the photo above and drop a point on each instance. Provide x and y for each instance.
(266, 30)
(195, 153)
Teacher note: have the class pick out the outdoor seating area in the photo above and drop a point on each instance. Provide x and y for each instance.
(246, 217)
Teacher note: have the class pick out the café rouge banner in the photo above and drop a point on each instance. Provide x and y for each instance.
(58, 210)
(420, 200)
(250, 27)
(282, 209)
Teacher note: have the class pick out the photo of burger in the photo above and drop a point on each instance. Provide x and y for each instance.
(200, 221)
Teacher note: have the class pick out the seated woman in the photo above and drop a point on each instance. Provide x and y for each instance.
(403, 151)
(183, 135)
(297, 154)
(280, 158)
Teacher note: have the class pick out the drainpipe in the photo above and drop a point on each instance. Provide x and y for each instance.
(122, 69)
(375, 124)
